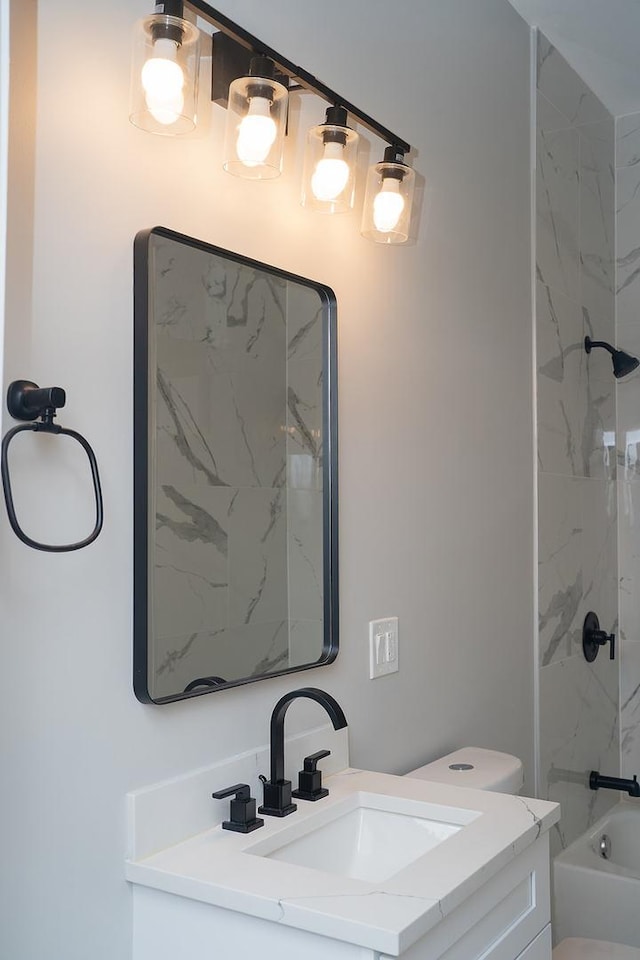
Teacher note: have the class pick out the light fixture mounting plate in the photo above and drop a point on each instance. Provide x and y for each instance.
(230, 61)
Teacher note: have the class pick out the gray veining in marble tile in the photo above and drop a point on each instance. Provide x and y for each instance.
(598, 505)
(562, 86)
(557, 205)
(628, 402)
(597, 224)
(576, 412)
(258, 557)
(559, 358)
(576, 421)
(598, 444)
(238, 447)
(559, 566)
(304, 324)
(629, 647)
(628, 241)
(628, 140)
(548, 118)
(304, 424)
(191, 573)
(250, 650)
(304, 511)
(628, 407)
(179, 436)
(577, 545)
(306, 638)
(630, 707)
(579, 732)
(198, 525)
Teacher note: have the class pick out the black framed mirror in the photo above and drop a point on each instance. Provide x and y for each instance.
(235, 470)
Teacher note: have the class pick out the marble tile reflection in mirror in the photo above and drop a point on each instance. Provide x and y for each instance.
(235, 513)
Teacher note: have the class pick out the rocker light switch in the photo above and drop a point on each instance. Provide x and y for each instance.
(383, 647)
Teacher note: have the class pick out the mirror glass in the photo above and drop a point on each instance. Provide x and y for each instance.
(235, 470)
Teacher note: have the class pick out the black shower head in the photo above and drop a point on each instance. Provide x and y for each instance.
(623, 363)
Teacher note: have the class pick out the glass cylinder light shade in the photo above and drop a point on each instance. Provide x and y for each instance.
(386, 214)
(256, 122)
(164, 79)
(329, 178)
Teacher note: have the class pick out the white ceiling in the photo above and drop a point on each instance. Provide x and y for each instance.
(601, 41)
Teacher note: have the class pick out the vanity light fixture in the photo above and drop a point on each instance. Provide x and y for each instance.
(251, 80)
(389, 196)
(164, 78)
(328, 183)
(256, 120)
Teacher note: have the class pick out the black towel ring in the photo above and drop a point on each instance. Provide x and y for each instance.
(27, 401)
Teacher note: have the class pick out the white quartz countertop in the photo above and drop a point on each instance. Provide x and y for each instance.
(218, 867)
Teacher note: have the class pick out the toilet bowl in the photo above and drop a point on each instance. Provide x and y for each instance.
(477, 768)
(576, 948)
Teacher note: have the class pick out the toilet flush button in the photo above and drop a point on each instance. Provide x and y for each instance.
(461, 766)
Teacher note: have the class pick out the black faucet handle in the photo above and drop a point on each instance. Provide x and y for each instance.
(310, 779)
(242, 791)
(311, 761)
(243, 808)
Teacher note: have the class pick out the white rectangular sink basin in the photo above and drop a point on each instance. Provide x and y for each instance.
(371, 837)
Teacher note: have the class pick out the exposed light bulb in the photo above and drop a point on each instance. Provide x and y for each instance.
(388, 205)
(257, 133)
(163, 81)
(331, 174)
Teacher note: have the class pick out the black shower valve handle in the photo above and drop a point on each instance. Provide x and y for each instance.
(593, 638)
(602, 637)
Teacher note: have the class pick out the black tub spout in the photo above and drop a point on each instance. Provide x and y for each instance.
(597, 781)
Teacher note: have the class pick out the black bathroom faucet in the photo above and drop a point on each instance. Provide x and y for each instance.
(277, 790)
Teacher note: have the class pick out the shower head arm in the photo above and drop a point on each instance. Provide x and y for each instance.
(589, 344)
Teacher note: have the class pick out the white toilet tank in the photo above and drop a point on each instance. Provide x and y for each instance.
(475, 767)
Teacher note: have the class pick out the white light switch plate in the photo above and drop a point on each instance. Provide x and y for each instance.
(383, 647)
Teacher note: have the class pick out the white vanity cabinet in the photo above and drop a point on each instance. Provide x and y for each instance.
(383, 867)
(507, 918)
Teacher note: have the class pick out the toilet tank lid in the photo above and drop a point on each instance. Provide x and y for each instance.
(475, 767)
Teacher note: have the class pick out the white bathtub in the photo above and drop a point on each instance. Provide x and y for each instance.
(595, 897)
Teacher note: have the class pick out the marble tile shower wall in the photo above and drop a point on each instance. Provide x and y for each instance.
(238, 483)
(628, 401)
(576, 411)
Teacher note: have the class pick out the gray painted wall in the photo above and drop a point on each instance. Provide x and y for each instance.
(436, 465)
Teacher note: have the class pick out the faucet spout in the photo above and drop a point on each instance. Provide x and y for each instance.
(277, 790)
(331, 705)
